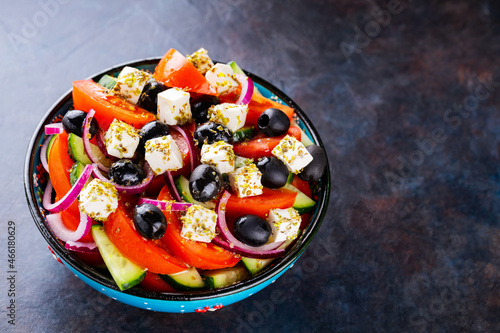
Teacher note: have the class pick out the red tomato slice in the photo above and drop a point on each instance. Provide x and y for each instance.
(184, 149)
(261, 204)
(302, 186)
(259, 104)
(89, 95)
(261, 145)
(174, 70)
(153, 282)
(197, 254)
(144, 252)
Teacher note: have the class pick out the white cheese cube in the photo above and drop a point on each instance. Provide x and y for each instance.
(98, 199)
(285, 224)
(173, 107)
(198, 224)
(233, 116)
(293, 153)
(219, 154)
(201, 60)
(130, 82)
(121, 139)
(221, 76)
(245, 181)
(162, 154)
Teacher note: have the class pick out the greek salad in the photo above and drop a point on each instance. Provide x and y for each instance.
(180, 180)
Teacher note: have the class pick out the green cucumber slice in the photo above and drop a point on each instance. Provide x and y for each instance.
(223, 277)
(125, 273)
(242, 161)
(289, 180)
(107, 81)
(244, 133)
(76, 149)
(182, 185)
(186, 280)
(254, 266)
(303, 204)
(49, 146)
(75, 171)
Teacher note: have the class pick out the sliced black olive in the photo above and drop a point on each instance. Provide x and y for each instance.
(149, 221)
(200, 106)
(252, 230)
(274, 172)
(314, 170)
(127, 173)
(205, 183)
(151, 130)
(73, 123)
(273, 122)
(148, 98)
(211, 132)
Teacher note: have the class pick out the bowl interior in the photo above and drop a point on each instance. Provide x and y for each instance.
(35, 180)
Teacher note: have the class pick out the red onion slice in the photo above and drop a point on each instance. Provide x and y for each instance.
(69, 197)
(102, 146)
(246, 89)
(261, 252)
(43, 153)
(165, 205)
(81, 247)
(56, 224)
(55, 128)
(86, 141)
(193, 155)
(133, 189)
(169, 180)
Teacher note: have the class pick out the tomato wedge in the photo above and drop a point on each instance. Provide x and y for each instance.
(302, 186)
(174, 70)
(89, 95)
(59, 165)
(197, 254)
(259, 104)
(260, 204)
(144, 252)
(184, 149)
(261, 145)
(153, 282)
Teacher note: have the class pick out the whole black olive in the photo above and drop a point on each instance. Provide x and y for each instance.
(149, 221)
(252, 230)
(205, 183)
(125, 172)
(151, 130)
(149, 94)
(73, 123)
(274, 172)
(211, 132)
(314, 170)
(200, 106)
(273, 122)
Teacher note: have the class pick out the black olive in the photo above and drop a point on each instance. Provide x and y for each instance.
(273, 122)
(200, 106)
(125, 172)
(205, 183)
(314, 170)
(210, 133)
(148, 98)
(151, 130)
(149, 221)
(73, 123)
(252, 230)
(274, 172)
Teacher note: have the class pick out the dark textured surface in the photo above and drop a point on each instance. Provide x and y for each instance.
(411, 241)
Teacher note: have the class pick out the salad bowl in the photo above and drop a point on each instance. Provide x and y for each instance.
(35, 180)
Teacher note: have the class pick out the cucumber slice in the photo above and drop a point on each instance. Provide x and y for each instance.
(187, 280)
(125, 273)
(303, 204)
(182, 185)
(76, 149)
(51, 142)
(289, 180)
(254, 266)
(242, 161)
(75, 171)
(244, 133)
(107, 81)
(219, 278)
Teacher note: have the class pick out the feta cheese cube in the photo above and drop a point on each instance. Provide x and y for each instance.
(245, 181)
(233, 116)
(221, 76)
(98, 199)
(162, 154)
(198, 224)
(121, 139)
(293, 153)
(284, 223)
(173, 106)
(201, 60)
(219, 154)
(130, 82)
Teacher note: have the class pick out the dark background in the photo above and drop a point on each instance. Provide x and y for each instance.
(411, 241)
